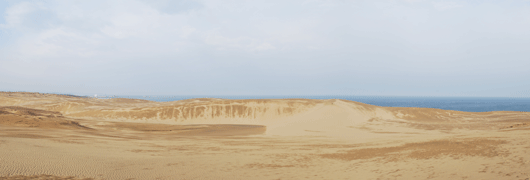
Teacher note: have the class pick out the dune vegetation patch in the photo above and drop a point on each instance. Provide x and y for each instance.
(191, 130)
(426, 150)
(42, 177)
(27, 117)
(518, 125)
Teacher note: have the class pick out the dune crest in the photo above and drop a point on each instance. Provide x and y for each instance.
(281, 116)
(68, 137)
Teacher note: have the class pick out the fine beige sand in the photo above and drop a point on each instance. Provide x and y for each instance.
(47, 136)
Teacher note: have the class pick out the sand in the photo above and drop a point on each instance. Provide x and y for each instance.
(48, 136)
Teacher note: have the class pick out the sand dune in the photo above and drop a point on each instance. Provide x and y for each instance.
(27, 117)
(289, 116)
(63, 136)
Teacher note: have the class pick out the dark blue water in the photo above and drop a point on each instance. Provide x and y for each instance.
(470, 104)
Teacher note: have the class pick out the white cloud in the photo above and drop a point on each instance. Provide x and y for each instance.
(414, 1)
(187, 31)
(264, 47)
(14, 15)
(236, 43)
(338, 41)
(447, 5)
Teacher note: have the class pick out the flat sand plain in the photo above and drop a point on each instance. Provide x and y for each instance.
(47, 136)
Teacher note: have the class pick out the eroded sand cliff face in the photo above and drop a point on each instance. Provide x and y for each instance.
(298, 115)
(61, 136)
(178, 111)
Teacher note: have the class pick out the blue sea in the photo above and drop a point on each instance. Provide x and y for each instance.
(469, 104)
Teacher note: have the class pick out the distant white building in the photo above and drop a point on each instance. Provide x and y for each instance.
(95, 95)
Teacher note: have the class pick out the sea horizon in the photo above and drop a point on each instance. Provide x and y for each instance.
(468, 104)
(456, 103)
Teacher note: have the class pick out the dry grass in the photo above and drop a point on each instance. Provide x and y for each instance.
(426, 150)
(27, 117)
(191, 130)
(41, 177)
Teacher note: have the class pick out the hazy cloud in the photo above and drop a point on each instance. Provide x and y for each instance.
(387, 47)
(446, 5)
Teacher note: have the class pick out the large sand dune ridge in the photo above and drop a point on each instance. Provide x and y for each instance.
(68, 137)
(296, 114)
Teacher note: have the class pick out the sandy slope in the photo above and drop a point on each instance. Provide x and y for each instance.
(55, 136)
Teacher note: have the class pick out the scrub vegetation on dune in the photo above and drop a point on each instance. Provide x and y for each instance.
(27, 117)
(424, 150)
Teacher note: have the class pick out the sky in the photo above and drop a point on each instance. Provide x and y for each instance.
(233, 47)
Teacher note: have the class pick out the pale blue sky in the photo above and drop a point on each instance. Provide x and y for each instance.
(387, 47)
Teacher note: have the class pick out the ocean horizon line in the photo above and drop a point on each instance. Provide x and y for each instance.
(251, 96)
